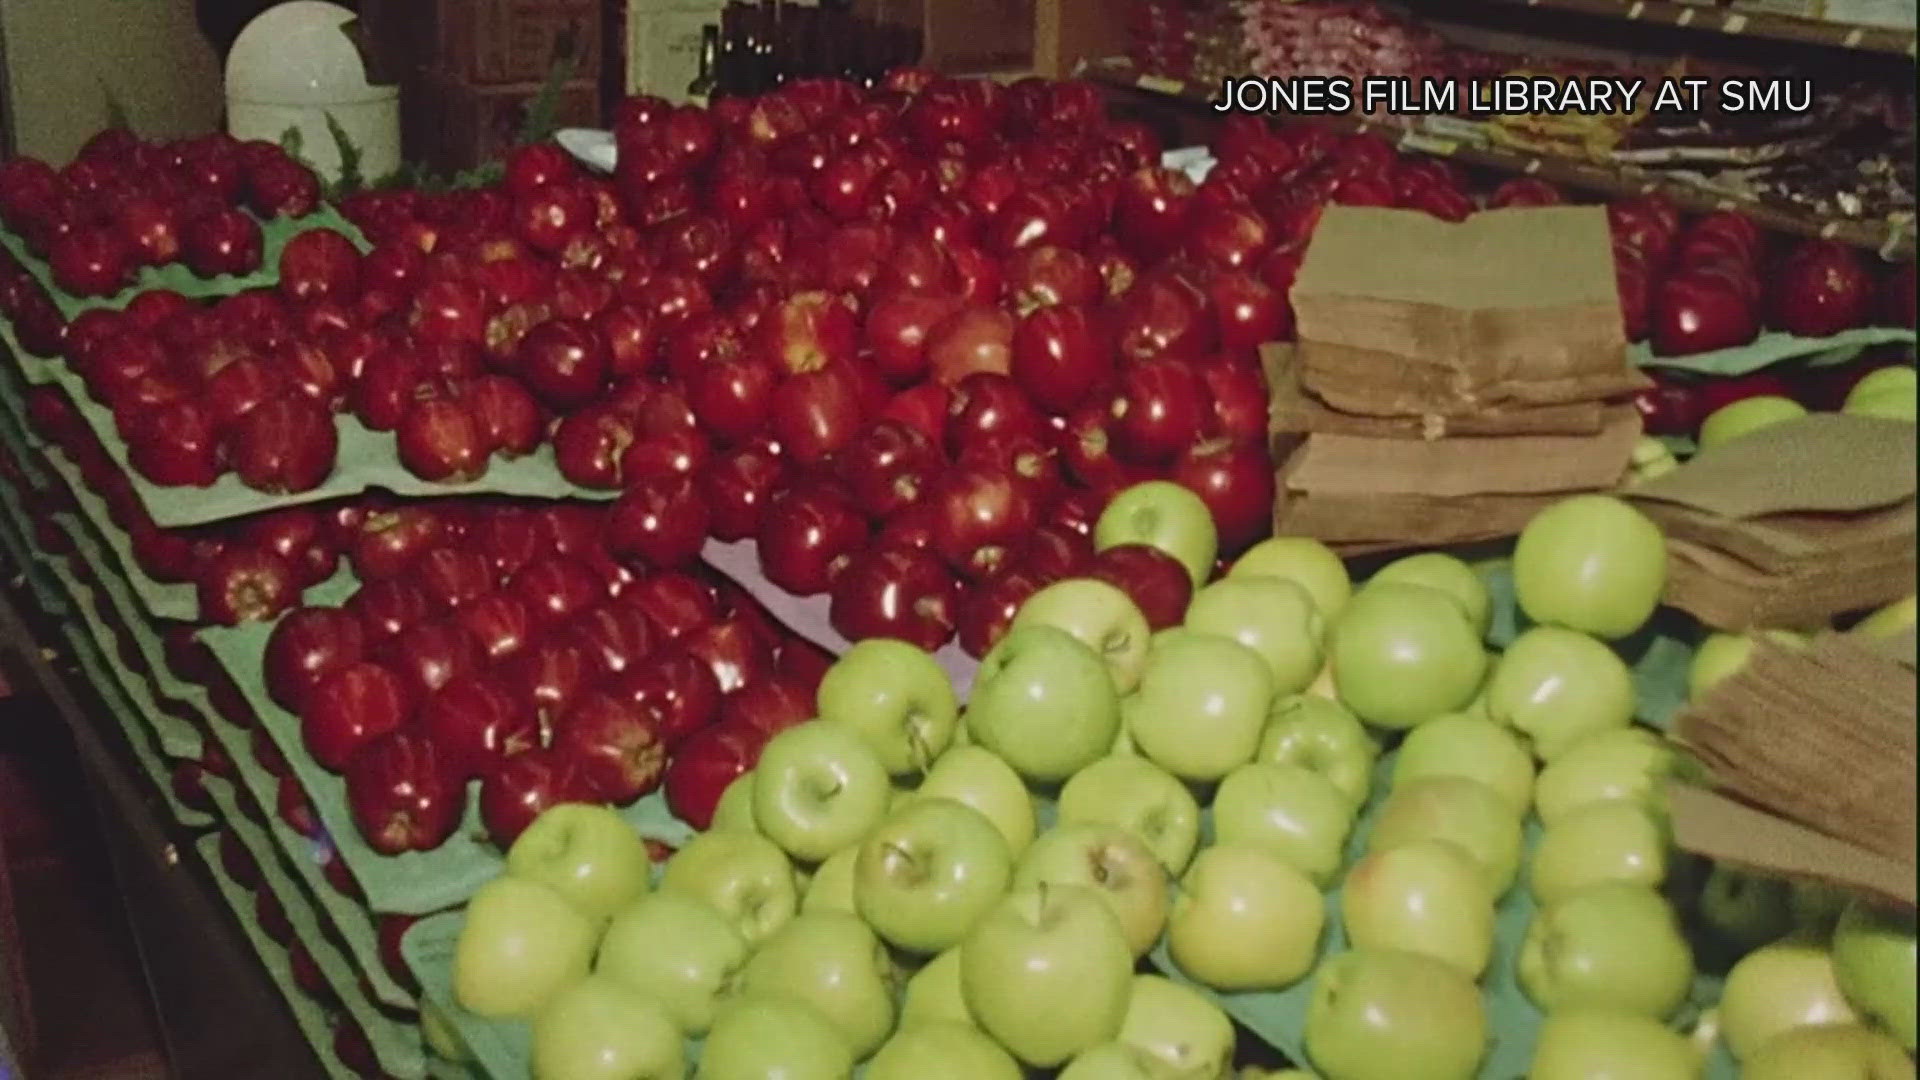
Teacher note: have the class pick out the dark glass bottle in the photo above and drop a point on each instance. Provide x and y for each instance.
(702, 89)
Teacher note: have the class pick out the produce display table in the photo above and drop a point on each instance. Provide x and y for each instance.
(356, 538)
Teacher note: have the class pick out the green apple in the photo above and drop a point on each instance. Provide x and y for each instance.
(442, 1039)
(1164, 515)
(1424, 897)
(1243, 919)
(819, 787)
(1650, 459)
(1590, 563)
(941, 1050)
(897, 696)
(1438, 570)
(1619, 840)
(1816, 906)
(1746, 416)
(598, 1029)
(1873, 956)
(734, 811)
(1405, 653)
(588, 854)
(1890, 620)
(1134, 794)
(1047, 973)
(1176, 1027)
(1788, 984)
(835, 963)
(1201, 703)
(743, 876)
(1304, 561)
(1288, 810)
(677, 951)
(1045, 703)
(1614, 946)
(1272, 616)
(1099, 616)
(1744, 909)
(521, 943)
(1112, 862)
(929, 872)
(1630, 763)
(1468, 746)
(1888, 405)
(1898, 378)
(1588, 1045)
(1112, 1061)
(1457, 809)
(1321, 735)
(830, 888)
(978, 778)
(1556, 686)
(1828, 1051)
(758, 1037)
(933, 992)
(1720, 655)
(1378, 1014)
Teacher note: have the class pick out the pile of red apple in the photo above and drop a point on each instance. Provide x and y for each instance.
(1714, 282)
(124, 203)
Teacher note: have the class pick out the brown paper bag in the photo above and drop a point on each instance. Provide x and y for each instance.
(1804, 490)
(1364, 524)
(1728, 593)
(1508, 309)
(1471, 465)
(1822, 735)
(1726, 831)
(1292, 409)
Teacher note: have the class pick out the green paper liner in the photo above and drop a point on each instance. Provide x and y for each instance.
(396, 1044)
(1772, 348)
(307, 855)
(308, 1014)
(415, 883)
(274, 234)
(178, 601)
(101, 673)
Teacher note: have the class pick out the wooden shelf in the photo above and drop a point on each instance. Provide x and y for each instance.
(1891, 239)
(1737, 22)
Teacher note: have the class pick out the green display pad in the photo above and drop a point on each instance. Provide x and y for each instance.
(274, 234)
(1775, 347)
(416, 883)
(396, 1044)
(307, 1013)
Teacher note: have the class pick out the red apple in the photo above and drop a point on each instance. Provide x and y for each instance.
(307, 646)
(500, 625)
(1059, 355)
(402, 794)
(562, 362)
(897, 328)
(1151, 208)
(1159, 408)
(548, 675)
(676, 602)
(733, 651)
(974, 339)
(1692, 314)
(391, 539)
(660, 520)
(614, 636)
(351, 707)
(439, 440)
(175, 445)
(620, 755)
(807, 332)
(478, 723)
(987, 608)
(1047, 275)
(806, 537)
(525, 786)
(898, 592)
(557, 588)
(221, 242)
(887, 467)
(284, 446)
(1820, 289)
(508, 416)
(771, 705)
(705, 765)
(319, 264)
(1058, 550)
(817, 412)
(430, 654)
(242, 585)
(1162, 315)
(676, 691)
(1236, 481)
(1156, 581)
(982, 519)
(386, 608)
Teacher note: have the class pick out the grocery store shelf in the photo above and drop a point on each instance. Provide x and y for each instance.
(1893, 240)
(1738, 23)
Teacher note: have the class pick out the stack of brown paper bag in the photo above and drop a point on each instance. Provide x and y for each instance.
(1450, 380)
(1809, 757)
(1790, 525)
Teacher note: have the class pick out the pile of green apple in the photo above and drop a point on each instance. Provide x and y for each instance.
(1122, 830)
(1890, 393)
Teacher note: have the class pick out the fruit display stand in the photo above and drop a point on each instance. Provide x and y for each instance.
(677, 524)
